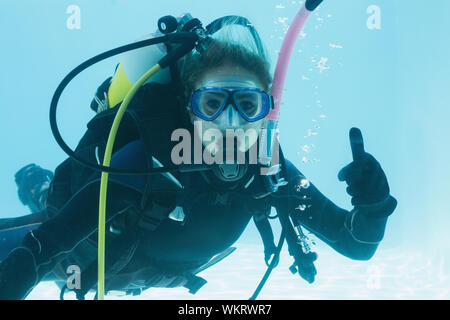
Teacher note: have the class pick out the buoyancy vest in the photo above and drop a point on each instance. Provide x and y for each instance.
(152, 116)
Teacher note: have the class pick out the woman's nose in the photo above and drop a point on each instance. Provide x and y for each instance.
(230, 118)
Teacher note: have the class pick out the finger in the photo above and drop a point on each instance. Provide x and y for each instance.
(354, 190)
(342, 175)
(356, 143)
(349, 172)
(312, 256)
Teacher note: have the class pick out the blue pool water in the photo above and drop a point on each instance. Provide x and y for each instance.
(380, 65)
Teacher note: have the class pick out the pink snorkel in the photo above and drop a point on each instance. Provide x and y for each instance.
(268, 136)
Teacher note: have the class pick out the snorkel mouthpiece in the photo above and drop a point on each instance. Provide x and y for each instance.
(312, 5)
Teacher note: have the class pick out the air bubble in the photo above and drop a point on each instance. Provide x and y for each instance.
(304, 183)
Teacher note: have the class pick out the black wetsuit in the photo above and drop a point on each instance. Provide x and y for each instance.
(215, 215)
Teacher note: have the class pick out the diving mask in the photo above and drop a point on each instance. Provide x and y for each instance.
(253, 104)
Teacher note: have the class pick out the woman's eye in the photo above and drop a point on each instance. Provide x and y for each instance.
(213, 104)
(248, 106)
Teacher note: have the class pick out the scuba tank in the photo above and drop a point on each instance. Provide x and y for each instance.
(135, 63)
(133, 66)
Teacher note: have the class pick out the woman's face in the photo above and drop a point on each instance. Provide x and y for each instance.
(230, 120)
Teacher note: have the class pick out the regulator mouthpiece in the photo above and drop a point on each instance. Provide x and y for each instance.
(230, 172)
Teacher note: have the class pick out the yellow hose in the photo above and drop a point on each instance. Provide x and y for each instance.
(104, 180)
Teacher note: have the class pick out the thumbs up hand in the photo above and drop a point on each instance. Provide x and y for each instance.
(367, 182)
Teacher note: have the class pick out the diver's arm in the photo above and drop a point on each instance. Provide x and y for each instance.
(355, 234)
(78, 218)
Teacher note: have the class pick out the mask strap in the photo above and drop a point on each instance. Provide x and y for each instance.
(218, 24)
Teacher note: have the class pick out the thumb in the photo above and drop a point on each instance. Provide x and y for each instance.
(356, 143)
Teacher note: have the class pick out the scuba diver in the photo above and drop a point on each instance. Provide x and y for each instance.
(163, 229)
(33, 183)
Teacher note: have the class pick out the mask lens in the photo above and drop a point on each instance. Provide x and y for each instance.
(210, 102)
(250, 103)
